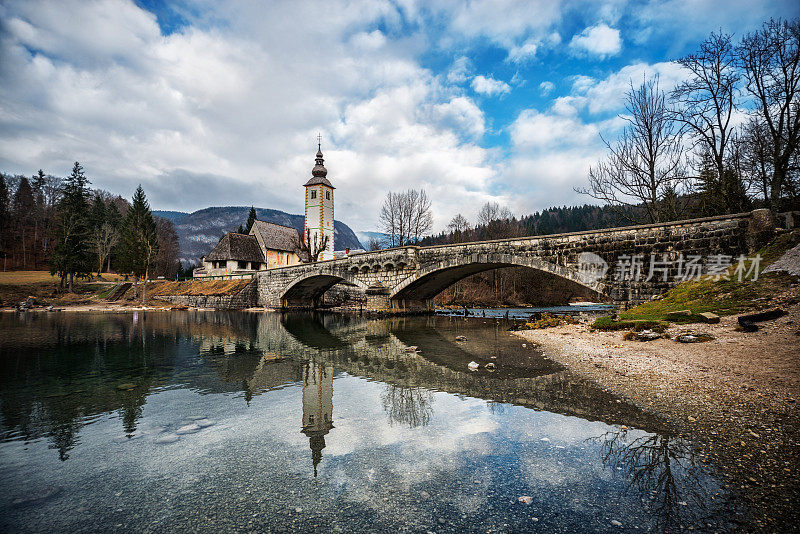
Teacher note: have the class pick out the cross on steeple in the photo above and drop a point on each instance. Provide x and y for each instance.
(319, 141)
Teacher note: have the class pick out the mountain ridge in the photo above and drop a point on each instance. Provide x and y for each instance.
(200, 231)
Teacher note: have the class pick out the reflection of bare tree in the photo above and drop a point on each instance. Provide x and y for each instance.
(663, 470)
(496, 408)
(412, 406)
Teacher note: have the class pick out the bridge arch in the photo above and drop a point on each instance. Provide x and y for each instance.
(306, 289)
(432, 279)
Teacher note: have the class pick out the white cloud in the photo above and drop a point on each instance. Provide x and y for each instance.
(463, 115)
(546, 87)
(489, 86)
(523, 52)
(227, 115)
(599, 40)
(609, 94)
(533, 129)
(460, 70)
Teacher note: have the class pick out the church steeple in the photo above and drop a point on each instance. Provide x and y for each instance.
(319, 170)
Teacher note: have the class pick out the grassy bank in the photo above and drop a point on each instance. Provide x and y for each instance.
(726, 296)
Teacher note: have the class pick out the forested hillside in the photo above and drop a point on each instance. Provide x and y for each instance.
(200, 231)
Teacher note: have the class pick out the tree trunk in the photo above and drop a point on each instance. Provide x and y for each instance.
(71, 282)
(144, 287)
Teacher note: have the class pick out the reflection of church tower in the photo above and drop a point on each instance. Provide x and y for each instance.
(317, 407)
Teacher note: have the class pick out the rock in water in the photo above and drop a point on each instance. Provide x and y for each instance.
(126, 386)
(461, 338)
(525, 499)
(616, 523)
(36, 496)
(473, 366)
(188, 429)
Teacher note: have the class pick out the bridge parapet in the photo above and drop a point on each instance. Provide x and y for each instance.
(408, 278)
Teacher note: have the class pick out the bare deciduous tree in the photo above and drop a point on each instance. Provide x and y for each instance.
(492, 211)
(406, 216)
(646, 166)
(770, 61)
(103, 239)
(459, 229)
(707, 100)
(312, 246)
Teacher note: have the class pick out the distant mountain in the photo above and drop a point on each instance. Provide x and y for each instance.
(171, 215)
(199, 232)
(364, 237)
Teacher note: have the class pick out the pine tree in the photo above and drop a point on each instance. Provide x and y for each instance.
(23, 213)
(4, 218)
(251, 218)
(139, 240)
(72, 255)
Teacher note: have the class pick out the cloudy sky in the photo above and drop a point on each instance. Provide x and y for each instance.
(214, 103)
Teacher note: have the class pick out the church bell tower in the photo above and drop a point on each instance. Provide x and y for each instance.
(318, 231)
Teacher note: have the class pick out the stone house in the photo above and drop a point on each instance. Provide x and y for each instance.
(268, 245)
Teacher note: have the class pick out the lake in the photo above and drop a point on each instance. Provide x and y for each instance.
(216, 421)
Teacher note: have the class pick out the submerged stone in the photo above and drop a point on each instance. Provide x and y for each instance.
(167, 438)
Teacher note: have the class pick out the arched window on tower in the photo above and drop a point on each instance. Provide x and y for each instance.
(327, 195)
(313, 193)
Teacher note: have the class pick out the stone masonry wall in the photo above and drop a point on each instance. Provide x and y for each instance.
(246, 298)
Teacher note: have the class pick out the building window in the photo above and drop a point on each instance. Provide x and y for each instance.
(327, 195)
(313, 193)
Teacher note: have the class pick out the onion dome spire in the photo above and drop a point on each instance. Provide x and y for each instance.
(319, 173)
(319, 170)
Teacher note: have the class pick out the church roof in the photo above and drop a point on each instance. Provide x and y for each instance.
(239, 247)
(276, 236)
(316, 180)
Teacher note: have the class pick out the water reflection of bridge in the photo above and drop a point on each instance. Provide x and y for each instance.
(378, 349)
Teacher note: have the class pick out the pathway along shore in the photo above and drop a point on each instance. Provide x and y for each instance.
(737, 395)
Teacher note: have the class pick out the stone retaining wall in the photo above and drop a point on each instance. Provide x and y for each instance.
(246, 298)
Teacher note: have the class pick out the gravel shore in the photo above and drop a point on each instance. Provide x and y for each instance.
(737, 395)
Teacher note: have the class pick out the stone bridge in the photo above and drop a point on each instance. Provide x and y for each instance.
(406, 279)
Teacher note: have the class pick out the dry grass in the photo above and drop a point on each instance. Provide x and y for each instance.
(17, 278)
(16, 286)
(212, 288)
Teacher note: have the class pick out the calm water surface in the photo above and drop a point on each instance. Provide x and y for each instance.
(209, 421)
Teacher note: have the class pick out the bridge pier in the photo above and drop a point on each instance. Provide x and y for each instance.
(379, 301)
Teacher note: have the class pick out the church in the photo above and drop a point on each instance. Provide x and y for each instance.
(269, 245)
